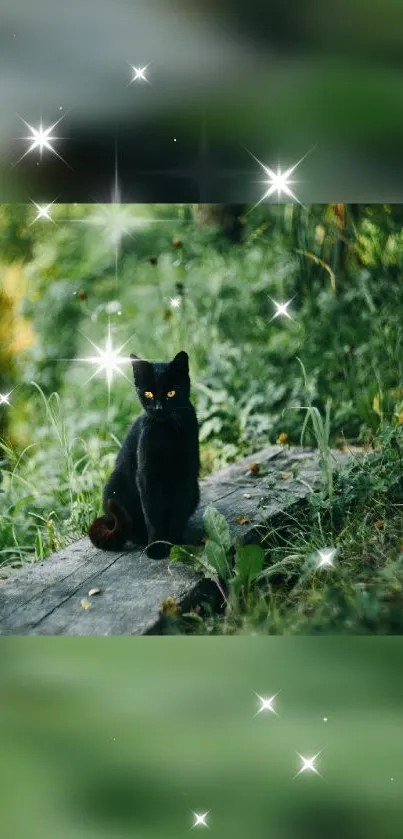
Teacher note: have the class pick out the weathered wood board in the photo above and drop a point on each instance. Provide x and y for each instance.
(45, 598)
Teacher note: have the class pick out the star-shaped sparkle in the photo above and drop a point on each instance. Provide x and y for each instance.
(108, 360)
(281, 309)
(41, 138)
(280, 181)
(266, 704)
(308, 764)
(200, 819)
(5, 398)
(139, 74)
(175, 302)
(43, 212)
(325, 558)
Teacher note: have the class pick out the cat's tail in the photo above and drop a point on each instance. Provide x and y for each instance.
(111, 531)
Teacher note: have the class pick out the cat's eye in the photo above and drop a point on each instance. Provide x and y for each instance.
(148, 394)
(171, 393)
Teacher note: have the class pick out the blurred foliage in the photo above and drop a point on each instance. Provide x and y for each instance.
(116, 739)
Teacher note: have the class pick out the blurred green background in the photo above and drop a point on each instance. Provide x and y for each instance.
(121, 738)
(276, 77)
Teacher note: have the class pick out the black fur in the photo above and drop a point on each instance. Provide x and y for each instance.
(154, 488)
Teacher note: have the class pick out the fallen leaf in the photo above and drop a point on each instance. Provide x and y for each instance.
(378, 524)
(94, 591)
(242, 520)
(284, 477)
(86, 604)
(282, 438)
(254, 468)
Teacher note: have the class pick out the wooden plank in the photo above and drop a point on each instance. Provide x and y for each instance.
(45, 598)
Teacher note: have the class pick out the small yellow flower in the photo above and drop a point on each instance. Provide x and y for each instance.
(282, 438)
(169, 607)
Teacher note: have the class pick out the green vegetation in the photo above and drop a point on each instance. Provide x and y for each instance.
(339, 357)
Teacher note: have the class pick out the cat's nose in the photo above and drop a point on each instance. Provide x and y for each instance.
(158, 406)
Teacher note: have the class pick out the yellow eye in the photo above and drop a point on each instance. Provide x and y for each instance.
(171, 393)
(148, 394)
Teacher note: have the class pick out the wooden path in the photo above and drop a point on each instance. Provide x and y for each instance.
(46, 598)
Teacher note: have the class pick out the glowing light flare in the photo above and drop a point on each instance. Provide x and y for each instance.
(116, 220)
(308, 764)
(175, 302)
(5, 398)
(281, 309)
(266, 704)
(43, 212)
(139, 74)
(200, 819)
(280, 181)
(108, 360)
(325, 558)
(41, 138)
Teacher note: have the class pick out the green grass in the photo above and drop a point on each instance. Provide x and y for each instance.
(277, 587)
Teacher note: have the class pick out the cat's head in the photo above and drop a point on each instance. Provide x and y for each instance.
(162, 386)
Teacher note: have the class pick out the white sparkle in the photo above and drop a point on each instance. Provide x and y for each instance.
(5, 398)
(139, 74)
(200, 819)
(308, 764)
(113, 307)
(266, 704)
(43, 212)
(108, 360)
(324, 719)
(41, 138)
(175, 302)
(279, 182)
(117, 221)
(325, 558)
(281, 309)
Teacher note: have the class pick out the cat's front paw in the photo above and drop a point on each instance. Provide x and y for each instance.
(158, 550)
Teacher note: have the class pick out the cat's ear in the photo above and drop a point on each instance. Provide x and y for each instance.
(181, 362)
(141, 369)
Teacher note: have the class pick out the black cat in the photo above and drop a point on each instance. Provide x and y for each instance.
(154, 487)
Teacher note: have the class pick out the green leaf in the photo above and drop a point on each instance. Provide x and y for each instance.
(249, 561)
(188, 554)
(216, 558)
(217, 528)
